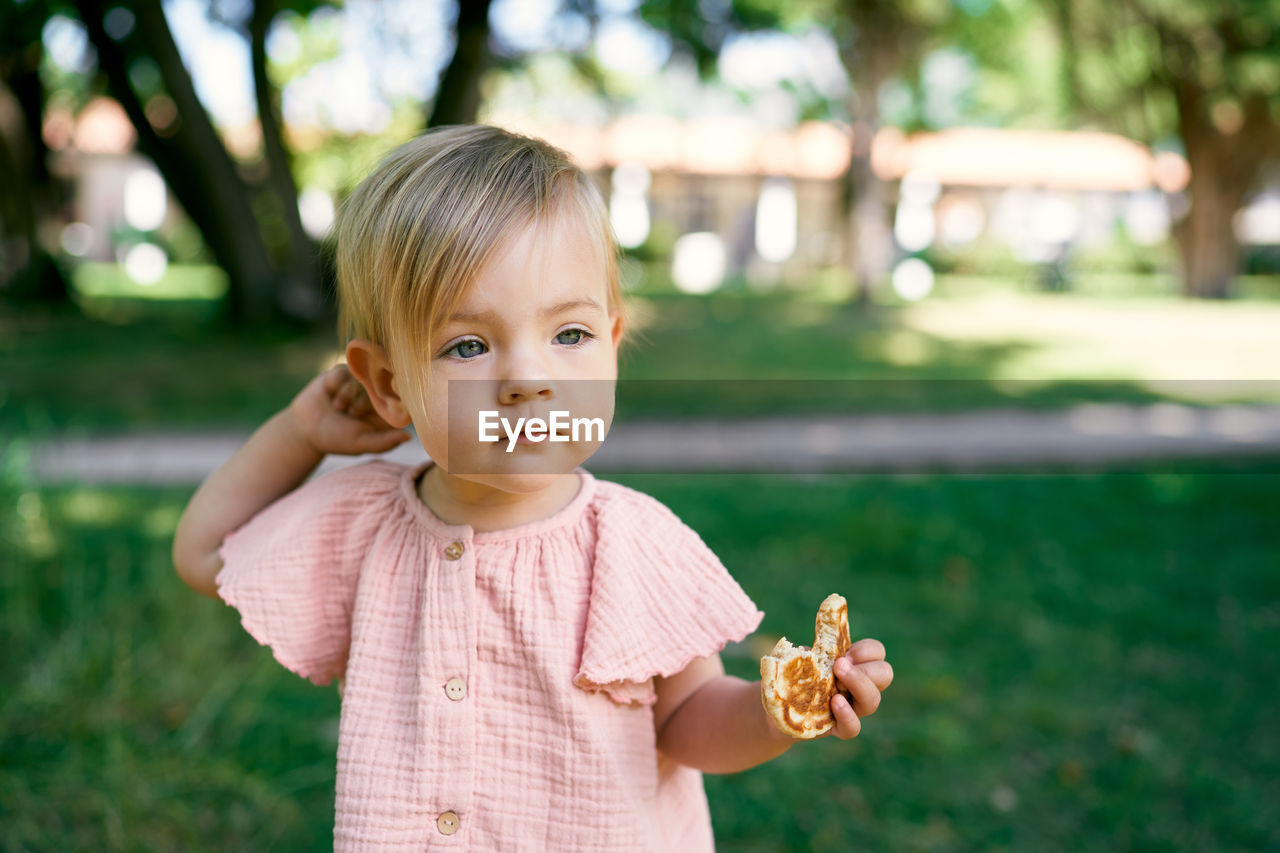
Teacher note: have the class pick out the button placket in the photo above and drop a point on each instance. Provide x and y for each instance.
(449, 632)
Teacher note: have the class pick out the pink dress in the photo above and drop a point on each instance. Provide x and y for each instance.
(498, 685)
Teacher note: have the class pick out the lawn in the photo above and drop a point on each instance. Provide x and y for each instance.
(969, 347)
(1082, 663)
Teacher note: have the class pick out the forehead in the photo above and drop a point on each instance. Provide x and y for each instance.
(547, 260)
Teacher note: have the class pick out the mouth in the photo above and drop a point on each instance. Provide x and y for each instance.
(560, 438)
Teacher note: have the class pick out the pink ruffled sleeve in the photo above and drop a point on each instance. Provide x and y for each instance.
(291, 570)
(659, 599)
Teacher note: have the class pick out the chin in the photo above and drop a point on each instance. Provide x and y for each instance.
(520, 484)
(526, 471)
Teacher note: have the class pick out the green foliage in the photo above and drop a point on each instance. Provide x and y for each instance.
(1129, 58)
(1122, 256)
(337, 163)
(699, 28)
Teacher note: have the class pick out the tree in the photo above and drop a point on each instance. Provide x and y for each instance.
(1203, 71)
(29, 193)
(457, 97)
(298, 254)
(193, 159)
(270, 276)
(877, 38)
(246, 212)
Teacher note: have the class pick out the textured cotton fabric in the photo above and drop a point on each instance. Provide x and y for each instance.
(505, 677)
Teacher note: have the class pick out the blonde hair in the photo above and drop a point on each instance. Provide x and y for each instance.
(414, 235)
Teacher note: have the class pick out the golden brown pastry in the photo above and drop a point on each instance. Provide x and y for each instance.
(796, 684)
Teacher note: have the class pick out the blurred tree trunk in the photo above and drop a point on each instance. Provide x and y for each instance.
(29, 192)
(457, 98)
(876, 40)
(1223, 167)
(867, 212)
(191, 157)
(301, 289)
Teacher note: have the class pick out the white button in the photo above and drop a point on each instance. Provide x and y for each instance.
(447, 823)
(456, 689)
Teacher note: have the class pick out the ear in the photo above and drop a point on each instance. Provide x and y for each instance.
(618, 327)
(369, 364)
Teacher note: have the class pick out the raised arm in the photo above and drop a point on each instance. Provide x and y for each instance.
(330, 415)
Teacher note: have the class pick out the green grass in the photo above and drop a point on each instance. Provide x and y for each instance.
(969, 347)
(1082, 663)
(101, 282)
(68, 373)
(135, 715)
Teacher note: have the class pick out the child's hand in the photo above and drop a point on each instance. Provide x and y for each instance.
(333, 414)
(865, 674)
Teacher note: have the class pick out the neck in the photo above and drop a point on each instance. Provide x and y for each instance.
(483, 507)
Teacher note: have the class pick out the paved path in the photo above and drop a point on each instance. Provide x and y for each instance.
(1088, 436)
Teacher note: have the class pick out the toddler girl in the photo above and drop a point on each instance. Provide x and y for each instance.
(529, 656)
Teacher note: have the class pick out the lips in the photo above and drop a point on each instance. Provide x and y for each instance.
(523, 438)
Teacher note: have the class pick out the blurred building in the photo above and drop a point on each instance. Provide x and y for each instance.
(725, 197)
(1038, 192)
(730, 197)
(735, 185)
(120, 199)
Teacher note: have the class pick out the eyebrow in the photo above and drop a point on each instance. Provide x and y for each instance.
(559, 308)
(572, 304)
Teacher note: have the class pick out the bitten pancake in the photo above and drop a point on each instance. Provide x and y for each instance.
(796, 683)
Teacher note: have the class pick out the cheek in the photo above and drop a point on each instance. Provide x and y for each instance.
(605, 362)
(460, 409)
(430, 422)
(435, 444)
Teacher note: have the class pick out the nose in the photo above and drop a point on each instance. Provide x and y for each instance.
(525, 390)
(525, 378)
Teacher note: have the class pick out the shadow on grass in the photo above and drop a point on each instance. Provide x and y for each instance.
(695, 357)
(64, 372)
(725, 356)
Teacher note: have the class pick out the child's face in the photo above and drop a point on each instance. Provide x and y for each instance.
(532, 336)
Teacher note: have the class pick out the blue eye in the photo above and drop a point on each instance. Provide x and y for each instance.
(467, 349)
(573, 337)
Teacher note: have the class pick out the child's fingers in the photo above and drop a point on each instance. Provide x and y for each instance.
(334, 377)
(360, 404)
(360, 407)
(866, 650)
(866, 695)
(347, 394)
(879, 671)
(848, 726)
